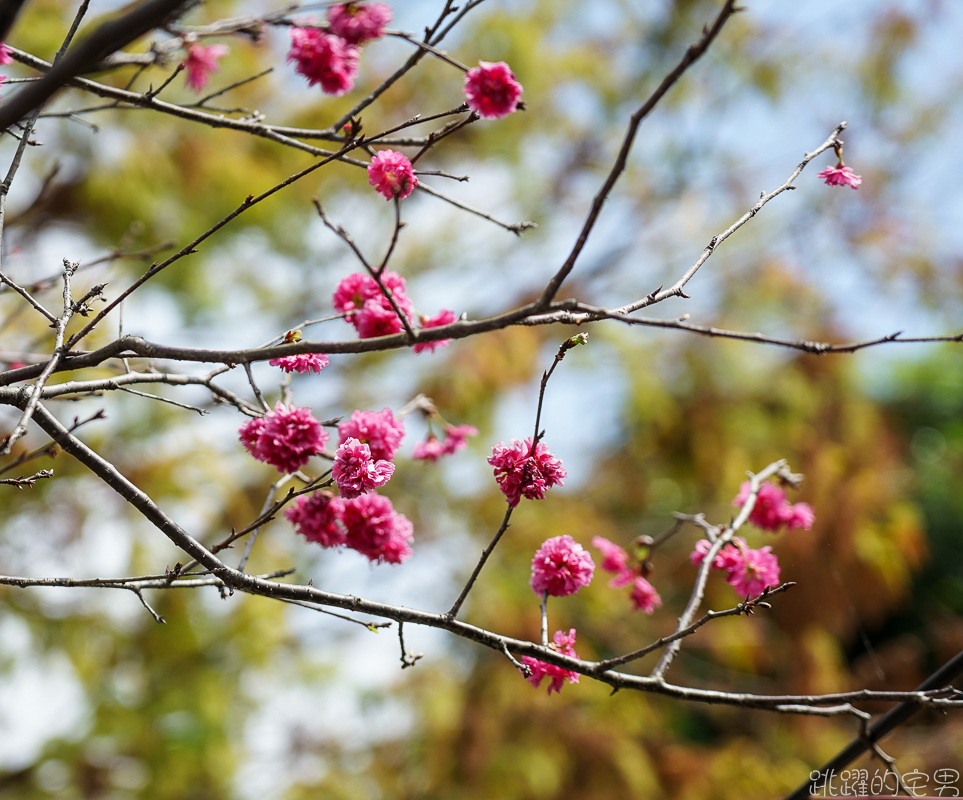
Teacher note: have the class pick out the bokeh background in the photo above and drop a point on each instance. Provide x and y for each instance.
(242, 697)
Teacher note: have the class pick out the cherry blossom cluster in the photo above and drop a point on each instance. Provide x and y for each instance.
(368, 442)
(748, 571)
(525, 470)
(285, 438)
(456, 438)
(616, 560)
(367, 523)
(560, 567)
(201, 63)
(368, 309)
(564, 643)
(772, 510)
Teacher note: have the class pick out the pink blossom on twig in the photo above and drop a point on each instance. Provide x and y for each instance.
(369, 311)
(317, 517)
(392, 175)
(491, 89)
(644, 596)
(305, 362)
(772, 510)
(754, 571)
(380, 430)
(376, 530)
(443, 317)
(324, 59)
(356, 472)
(840, 175)
(429, 450)
(564, 644)
(522, 473)
(561, 567)
(456, 437)
(201, 63)
(285, 438)
(357, 23)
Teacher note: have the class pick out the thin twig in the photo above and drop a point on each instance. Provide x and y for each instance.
(456, 606)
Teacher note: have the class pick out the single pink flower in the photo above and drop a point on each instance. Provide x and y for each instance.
(201, 63)
(325, 59)
(392, 175)
(443, 317)
(376, 530)
(377, 429)
(726, 559)
(644, 596)
(564, 644)
(755, 570)
(317, 517)
(357, 23)
(285, 438)
(456, 437)
(840, 175)
(5, 56)
(522, 473)
(561, 567)
(306, 362)
(492, 90)
(367, 308)
(356, 472)
(429, 450)
(772, 510)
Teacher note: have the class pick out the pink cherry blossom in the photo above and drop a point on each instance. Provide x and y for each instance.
(201, 63)
(727, 558)
(306, 362)
(376, 530)
(564, 644)
(429, 450)
(5, 56)
(443, 317)
(772, 510)
(324, 59)
(561, 567)
(644, 596)
(522, 473)
(840, 175)
(615, 559)
(356, 472)
(456, 437)
(368, 309)
(285, 438)
(357, 23)
(377, 429)
(317, 517)
(392, 175)
(492, 90)
(754, 571)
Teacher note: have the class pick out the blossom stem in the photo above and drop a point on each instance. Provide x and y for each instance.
(456, 607)
(544, 619)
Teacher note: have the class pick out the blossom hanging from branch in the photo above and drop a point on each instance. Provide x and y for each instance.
(492, 90)
(201, 63)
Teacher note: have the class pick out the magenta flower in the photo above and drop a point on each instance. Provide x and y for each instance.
(522, 473)
(772, 510)
(429, 450)
(285, 438)
(376, 530)
(561, 567)
(644, 596)
(492, 90)
(456, 437)
(614, 558)
(306, 362)
(443, 317)
(756, 570)
(368, 309)
(201, 63)
(325, 59)
(317, 517)
(357, 23)
(356, 472)
(564, 644)
(840, 175)
(377, 429)
(392, 175)
(5, 56)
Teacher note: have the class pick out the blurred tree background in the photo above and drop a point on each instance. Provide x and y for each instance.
(241, 697)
